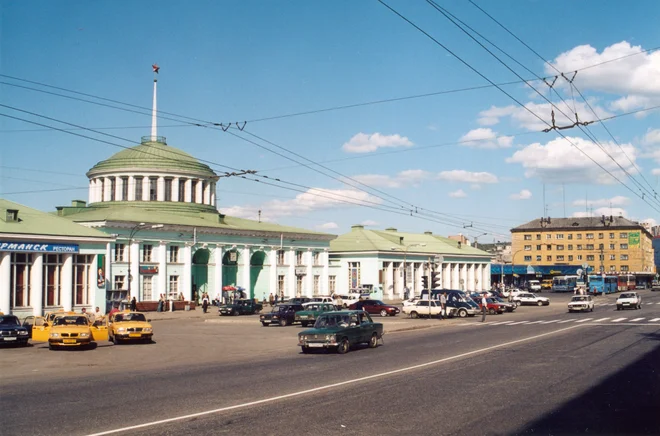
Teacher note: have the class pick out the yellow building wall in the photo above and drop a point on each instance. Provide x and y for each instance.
(615, 250)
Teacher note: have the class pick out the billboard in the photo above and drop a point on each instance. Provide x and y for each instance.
(633, 239)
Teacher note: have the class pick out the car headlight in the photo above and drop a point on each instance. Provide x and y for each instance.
(121, 330)
(84, 335)
(23, 332)
(147, 329)
(54, 335)
(274, 316)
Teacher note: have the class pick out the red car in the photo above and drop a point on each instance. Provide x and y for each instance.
(492, 306)
(375, 307)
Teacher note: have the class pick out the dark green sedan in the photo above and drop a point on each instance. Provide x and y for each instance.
(312, 311)
(340, 330)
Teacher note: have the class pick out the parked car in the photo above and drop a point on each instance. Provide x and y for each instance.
(240, 307)
(410, 301)
(375, 307)
(508, 306)
(513, 291)
(492, 306)
(581, 303)
(129, 326)
(460, 304)
(534, 285)
(297, 300)
(67, 330)
(495, 293)
(527, 298)
(345, 300)
(629, 300)
(311, 311)
(282, 314)
(655, 285)
(546, 284)
(321, 299)
(11, 331)
(340, 330)
(421, 309)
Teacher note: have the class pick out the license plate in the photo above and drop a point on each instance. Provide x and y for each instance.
(10, 339)
(69, 341)
(134, 335)
(626, 304)
(315, 345)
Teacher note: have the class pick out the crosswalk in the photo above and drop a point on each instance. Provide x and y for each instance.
(606, 320)
(614, 304)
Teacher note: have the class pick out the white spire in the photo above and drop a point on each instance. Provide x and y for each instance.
(154, 117)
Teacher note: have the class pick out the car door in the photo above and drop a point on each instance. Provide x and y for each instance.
(366, 327)
(99, 332)
(40, 329)
(28, 323)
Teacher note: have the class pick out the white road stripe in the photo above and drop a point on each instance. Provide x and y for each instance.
(636, 319)
(655, 319)
(327, 387)
(619, 319)
(565, 321)
(549, 322)
(584, 320)
(519, 322)
(602, 319)
(534, 322)
(500, 322)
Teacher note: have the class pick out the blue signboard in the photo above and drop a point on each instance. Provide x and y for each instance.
(536, 269)
(37, 247)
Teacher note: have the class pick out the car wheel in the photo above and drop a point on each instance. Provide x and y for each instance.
(491, 311)
(304, 323)
(305, 349)
(539, 303)
(591, 310)
(373, 342)
(462, 313)
(383, 312)
(570, 311)
(264, 324)
(115, 340)
(618, 308)
(283, 322)
(343, 346)
(414, 314)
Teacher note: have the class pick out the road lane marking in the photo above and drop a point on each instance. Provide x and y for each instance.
(550, 322)
(328, 387)
(535, 322)
(636, 319)
(602, 319)
(585, 320)
(655, 319)
(619, 319)
(565, 321)
(500, 322)
(519, 322)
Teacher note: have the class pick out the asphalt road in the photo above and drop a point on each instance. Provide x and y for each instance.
(539, 370)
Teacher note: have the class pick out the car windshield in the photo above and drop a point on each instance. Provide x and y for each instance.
(130, 317)
(281, 308)
(579, 298)
(333, 321)
(627, 296)
(9, 320)
(71, 320)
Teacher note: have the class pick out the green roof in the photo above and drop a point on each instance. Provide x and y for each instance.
(35, 222)
(173, 213)
(152, 155)
(360, 239)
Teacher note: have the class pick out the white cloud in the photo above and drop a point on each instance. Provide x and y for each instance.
(618, 200)
(652, 137)
(403, 178)
(458, 194)
(364, 143)
(328, 226)
(525, 194)
(467, 177)
(559, 161)
(485, 138)
(650, 222)
(615, 211)
(432, 127)
(369, 223)
(312, 200)
(656, 171)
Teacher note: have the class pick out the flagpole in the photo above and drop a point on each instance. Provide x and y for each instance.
(154, 112)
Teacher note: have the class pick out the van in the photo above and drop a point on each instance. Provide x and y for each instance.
(534, 285)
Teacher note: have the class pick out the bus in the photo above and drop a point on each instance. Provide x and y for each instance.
(603, 284)
(564, 283)
(627, 282)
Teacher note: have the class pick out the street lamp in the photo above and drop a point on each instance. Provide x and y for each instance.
(134, 231)
(405, 266)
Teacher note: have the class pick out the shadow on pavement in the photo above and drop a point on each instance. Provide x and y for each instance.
(626, 403)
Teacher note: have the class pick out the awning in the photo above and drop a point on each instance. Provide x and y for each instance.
(546, 270)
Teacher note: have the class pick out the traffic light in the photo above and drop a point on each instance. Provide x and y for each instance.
(436, 280)
(425, 282)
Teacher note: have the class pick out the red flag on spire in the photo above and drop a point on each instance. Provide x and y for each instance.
(156, 68)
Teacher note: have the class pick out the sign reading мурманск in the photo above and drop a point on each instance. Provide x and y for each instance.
(32, 247)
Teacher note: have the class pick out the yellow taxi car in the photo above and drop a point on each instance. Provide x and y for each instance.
(67, 329)
(128, 326)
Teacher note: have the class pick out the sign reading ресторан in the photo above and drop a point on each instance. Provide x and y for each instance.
(37, 247)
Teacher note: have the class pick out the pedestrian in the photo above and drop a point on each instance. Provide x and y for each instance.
(89, 316)
(133, 305)
(271, 299)
(405, 294)
(205, 302)
(484, 304)
(443, 305)
(277, 297)
(161, 303)
(115, 309)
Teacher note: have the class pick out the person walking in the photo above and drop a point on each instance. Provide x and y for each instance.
(205, 302)
(443, 305)
(484, 307)
(271, 299)
(133, 305)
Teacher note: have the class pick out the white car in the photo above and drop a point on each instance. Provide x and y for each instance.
(581, 303)
(514, 292)
(534, 285)
(629, 300)
(322, 299)
(410, 301)
(529, 298)
(347, 299)
(421, 308)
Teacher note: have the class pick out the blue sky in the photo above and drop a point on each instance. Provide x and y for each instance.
(232, 61)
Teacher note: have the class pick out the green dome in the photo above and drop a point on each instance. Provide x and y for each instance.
(152, 155)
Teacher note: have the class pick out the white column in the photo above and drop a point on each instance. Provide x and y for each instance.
(175, 189)
(218, 254)
(486, 276)
(446, 276)
(36, 284)
(207, 193)
(66, 288)
(464, 276)
(188, 196)
(200, 193)
(187, 273)
(106, 188)
(131, 188)
(5, 283)
(145, 188)
(90, 194)
(245, 254)
(325, 261)
(119, 188)
(272, 273)
(161, 284)
(213, 203)
(470, 277)
(161, 189)
(291, 278)
(135, 269)
(389, 273)
(477, 278)
(455, 284)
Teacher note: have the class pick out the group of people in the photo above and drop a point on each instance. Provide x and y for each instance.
(274, 299)
(95, 317)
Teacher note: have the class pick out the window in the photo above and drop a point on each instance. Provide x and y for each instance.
(316, 258)
(52, 279)
(548, 258)
(299, 285)
(119, 252)
(528, 258)
(560, 236)
(624, 268)
(570, 236)
(138, 188)
(548, 236)
(20, 279)
(611, 235)
(570, 246)
(570, 258)
(623, 236)
(560, 258)
(601, 236)
(317, 287)
(528, 237)
(113, 188)
(589, 236)
(193, 191)
(579, 257)
(590, 246)
(624, 257)
(601, 257)
(560, 247)
(147, 285)
(528, 248)
(354, 279)
(548, 247)
(538, 236)
(332, 284)
(578, 236)
(153, 189)
(611, 246)
(280, 285)
(579, 246)
(612, 256)
(173, 288)
(168, 189)
(82, 269)
(146, 252)
(590, 257)
(538, 247)
(174, 254)
(538, 258)
(612, 268)
(124, 189)
(624, 246)
(182, 189)
(299, 258)
(119, 282)
(601, 246)
(280, 257)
